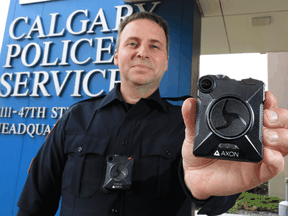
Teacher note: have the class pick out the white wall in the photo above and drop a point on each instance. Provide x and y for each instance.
(3, 18)
(236, 66)
(278, 85)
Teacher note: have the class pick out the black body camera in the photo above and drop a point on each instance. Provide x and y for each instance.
(229, 120)
(118, 173)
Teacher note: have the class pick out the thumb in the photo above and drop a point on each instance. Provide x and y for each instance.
(189, 108)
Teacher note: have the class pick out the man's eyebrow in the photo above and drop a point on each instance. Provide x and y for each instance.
(156, 41)
(151, 40)
(132, 38)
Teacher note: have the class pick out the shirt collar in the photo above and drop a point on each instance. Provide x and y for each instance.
(115, 94)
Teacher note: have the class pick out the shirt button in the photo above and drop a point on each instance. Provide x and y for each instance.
(114, 210)
(80, 149)
(168, 153)
(124, 143)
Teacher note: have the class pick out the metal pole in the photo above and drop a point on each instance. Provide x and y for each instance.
(283, 206)
(286, 189)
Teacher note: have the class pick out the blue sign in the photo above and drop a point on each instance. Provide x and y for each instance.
(58, 52)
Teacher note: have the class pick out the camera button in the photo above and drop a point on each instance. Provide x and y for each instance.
(124, 143)
(114, 211)
(80, 149)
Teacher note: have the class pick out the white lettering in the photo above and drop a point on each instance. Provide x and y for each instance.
(12, 28)
(102, 22)
(40, 79)
(5, 128)
(75, 47)
(46, 55)
(41, 112)
(36, 58)
(59, 88)
(76, 92)
(230, 154)
(113, 78)
(53, 26)
(10, 55)
(100, 49)
(32, 111)
(55, 111)
(38, 84)
(119, 16)
(141, 6)
(6, 84)
(47, 130)
(19, 129)
(65, 52)
(37, 129)
(86, 80)
(29, 132)
(18, 83)
(13, 129)
(84, 22)
(37, 27)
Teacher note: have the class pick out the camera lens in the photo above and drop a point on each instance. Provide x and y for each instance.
(119, 172)
(206, 84)
(110, 158)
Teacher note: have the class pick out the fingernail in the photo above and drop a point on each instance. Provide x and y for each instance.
(272, 135)
(272, 116)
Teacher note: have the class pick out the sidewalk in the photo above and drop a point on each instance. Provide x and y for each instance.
(225, 214)
(244, 213)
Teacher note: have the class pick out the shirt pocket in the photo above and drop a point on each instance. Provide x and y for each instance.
(85, 164)
(159, 162)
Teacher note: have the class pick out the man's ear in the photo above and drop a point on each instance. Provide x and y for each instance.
(116, 58)
(167, 60)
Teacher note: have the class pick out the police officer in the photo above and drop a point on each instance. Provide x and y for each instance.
(133, 121)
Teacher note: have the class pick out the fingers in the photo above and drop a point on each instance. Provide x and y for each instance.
(189, 108)
(276, 139)
(272, 164)
(270, 100)
(275, 118)
(275, 121)
(189, 114)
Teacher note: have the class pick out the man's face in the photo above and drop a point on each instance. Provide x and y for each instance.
(142, 56)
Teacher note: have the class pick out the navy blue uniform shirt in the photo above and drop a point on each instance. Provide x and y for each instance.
(72, 162)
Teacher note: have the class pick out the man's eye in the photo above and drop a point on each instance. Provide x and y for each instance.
(155, 46)
(133, 44)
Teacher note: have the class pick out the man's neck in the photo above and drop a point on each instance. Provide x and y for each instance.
(134, 93)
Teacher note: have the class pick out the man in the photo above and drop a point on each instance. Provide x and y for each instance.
(133, 121)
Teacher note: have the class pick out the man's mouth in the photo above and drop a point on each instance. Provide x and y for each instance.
(141, 66)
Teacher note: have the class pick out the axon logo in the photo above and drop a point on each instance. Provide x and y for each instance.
(33, 1)
(226, 153)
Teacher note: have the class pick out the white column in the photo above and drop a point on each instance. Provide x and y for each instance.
(278, 85)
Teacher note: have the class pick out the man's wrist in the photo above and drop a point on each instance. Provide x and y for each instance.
(201, 197)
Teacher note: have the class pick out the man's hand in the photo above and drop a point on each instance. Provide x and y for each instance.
(210, 177)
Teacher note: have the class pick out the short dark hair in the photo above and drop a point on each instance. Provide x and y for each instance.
(145, 15)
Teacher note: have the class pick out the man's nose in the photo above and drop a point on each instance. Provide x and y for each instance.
(143, 51)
